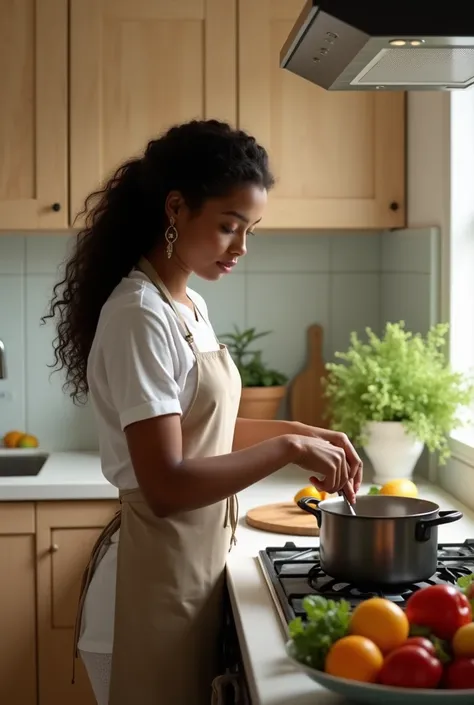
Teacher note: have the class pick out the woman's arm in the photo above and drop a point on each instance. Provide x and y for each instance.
(249, 432)
(172, 483)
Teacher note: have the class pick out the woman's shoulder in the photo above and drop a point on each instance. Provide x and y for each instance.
(133, 300)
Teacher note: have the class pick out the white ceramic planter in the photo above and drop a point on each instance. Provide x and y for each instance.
(391, 450)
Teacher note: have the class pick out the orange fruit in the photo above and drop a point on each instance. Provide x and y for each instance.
(400, 488)
(308, 491)
(10, 439)
(463, 641)
(354, 657)
(27, 441)
(381, 621)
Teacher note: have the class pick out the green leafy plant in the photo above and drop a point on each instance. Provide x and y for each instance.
(327, 622)
(466, 583)
(253, 371)
(398, 377)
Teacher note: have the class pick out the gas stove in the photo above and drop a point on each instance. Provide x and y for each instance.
(292, 572)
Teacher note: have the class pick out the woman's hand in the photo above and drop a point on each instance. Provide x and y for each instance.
(329, 464)
(340, 440)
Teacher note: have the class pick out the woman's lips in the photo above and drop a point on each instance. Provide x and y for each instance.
(226, 267)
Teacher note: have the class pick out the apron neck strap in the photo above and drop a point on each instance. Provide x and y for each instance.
(145, 266)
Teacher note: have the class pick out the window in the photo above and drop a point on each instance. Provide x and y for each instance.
(461, 249)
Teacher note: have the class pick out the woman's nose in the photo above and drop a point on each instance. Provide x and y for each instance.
(239, 245)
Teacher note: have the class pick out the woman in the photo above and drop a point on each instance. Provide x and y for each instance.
(136, 340)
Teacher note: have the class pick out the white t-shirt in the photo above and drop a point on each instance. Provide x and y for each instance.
(139, 367)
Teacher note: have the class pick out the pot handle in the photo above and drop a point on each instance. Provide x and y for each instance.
(423, 528)
(306, 504)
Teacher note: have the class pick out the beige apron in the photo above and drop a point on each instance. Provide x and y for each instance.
(170, 572)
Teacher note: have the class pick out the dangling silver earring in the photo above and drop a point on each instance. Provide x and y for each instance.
(171, 235)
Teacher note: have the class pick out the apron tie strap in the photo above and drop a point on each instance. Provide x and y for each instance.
(102, 542)
(220, 683)
(232, 517)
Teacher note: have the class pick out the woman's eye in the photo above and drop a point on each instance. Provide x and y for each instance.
(228, 230)
(252, 233)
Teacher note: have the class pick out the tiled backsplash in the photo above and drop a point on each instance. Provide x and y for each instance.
(344, 281)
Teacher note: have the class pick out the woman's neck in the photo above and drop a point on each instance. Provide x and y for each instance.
(173, 274)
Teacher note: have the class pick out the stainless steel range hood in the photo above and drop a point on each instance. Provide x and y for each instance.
(352, 45)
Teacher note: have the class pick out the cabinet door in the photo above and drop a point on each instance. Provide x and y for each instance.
(66, 532)
(139, 67)
(339, 157)
(33, 117)
(17, 605)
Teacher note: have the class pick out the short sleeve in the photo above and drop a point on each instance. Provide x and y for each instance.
(139, 367)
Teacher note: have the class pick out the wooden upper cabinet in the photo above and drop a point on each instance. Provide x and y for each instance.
(139, 67)
(33, 115)
(339, 157)
(84, 84)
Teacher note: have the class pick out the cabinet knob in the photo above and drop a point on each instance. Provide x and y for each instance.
(394, 206)
(56, 207)
(54, 547)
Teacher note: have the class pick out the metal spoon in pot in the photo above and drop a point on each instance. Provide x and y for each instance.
(342, 494)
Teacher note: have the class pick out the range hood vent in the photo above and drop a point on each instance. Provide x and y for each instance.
(345, 45)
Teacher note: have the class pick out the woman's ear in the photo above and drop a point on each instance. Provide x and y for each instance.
(173, 204)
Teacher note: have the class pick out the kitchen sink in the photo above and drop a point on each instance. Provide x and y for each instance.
(21, 465)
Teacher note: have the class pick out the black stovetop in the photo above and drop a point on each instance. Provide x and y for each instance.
(295, 572)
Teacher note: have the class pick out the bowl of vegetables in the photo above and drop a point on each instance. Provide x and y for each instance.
(380, 653)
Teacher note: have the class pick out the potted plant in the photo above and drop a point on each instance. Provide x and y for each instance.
(262, 388)
(395, 394)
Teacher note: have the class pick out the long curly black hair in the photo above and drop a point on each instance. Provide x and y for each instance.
(126, 219)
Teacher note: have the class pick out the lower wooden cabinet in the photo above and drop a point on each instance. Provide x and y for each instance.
(44, 548)
(18, 661)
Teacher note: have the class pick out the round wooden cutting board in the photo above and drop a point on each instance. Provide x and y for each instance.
(283, 518)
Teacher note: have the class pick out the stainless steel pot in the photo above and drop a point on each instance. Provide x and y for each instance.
(390, 541)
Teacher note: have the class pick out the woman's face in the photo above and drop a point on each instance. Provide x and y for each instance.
(211, 241)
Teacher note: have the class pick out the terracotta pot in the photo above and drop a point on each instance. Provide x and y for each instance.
(260, 402)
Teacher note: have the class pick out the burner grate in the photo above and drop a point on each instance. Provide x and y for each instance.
(296, 572)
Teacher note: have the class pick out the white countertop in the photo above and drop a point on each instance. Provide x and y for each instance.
(63, 476)
(271, 677)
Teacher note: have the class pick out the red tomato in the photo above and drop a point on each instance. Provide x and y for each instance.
(442, 608)
(422, 642)
(410, 667)
(460, 674)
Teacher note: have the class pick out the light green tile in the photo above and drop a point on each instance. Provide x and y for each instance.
(288, 252)
(46, 253)
(355, 304)
(12, 254)
(12, 334)
(287, 304)
(355, 252)
(412, 250)
(50, 413)
(408, 297)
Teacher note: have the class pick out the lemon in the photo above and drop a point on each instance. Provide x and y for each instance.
(308, 491)
(400, 488)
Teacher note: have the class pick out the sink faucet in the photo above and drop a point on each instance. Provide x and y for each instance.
(3, 364)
